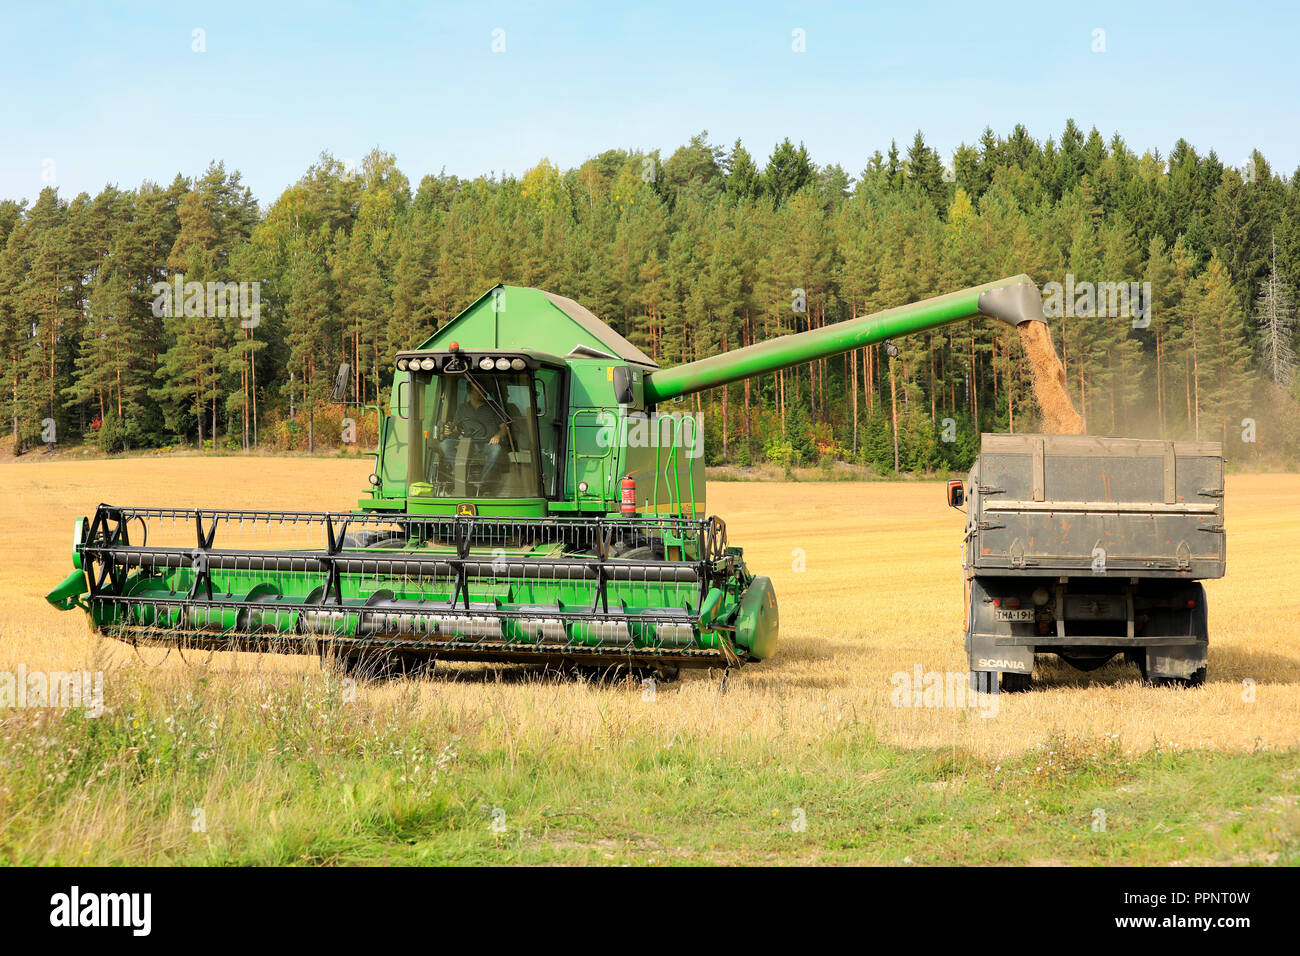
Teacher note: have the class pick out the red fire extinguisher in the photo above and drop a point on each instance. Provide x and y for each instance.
(628, 484)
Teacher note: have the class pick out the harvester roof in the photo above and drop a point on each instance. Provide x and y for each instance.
(533, 320)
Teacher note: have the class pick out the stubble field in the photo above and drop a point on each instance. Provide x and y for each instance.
(804, 758)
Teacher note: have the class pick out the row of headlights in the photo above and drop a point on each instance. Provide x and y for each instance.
(414, 365)
(487, 364)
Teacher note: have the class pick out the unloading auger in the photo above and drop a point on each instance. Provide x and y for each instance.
(530, 502)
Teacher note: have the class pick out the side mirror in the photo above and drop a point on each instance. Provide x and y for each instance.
(339, 393)
(956, 493)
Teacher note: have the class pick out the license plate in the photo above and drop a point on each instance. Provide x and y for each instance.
(1007, 614)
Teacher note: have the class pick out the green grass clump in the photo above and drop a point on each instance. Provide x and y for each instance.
(308, 769)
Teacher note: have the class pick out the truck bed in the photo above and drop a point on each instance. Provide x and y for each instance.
(1113, 507)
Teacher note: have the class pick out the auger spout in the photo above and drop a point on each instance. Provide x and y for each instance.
(1015, 301)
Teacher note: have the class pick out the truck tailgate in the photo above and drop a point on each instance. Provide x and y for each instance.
(1044, 504)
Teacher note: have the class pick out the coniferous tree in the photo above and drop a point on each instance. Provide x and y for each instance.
(687, 256)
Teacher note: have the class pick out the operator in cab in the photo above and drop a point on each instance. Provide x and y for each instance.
(486, 427)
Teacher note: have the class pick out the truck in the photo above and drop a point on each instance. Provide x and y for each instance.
(1089, 547)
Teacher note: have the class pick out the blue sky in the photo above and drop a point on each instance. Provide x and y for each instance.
(114, 93)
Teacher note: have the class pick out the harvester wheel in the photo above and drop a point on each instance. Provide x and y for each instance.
(609, 674)
(376, 665)
(642, 552)
(373, 539)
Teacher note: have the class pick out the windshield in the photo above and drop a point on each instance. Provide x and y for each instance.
(474, 436)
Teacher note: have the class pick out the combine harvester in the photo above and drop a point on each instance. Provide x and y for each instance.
(528, 504)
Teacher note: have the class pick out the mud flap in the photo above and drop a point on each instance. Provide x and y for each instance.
(1182, 660)
(985, 655)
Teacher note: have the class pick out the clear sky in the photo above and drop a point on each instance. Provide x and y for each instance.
(96, 93)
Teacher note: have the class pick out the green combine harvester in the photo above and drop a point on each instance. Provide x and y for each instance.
(531, 502)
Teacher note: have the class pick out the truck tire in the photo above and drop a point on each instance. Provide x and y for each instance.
(988, 682)
(984, 682)
(1013, 683)
(1086, 663)
(1196, 680)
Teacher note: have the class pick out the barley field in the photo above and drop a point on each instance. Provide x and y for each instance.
(248, 758)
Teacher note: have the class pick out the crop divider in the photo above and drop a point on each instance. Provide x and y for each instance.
(199, 557)
(329, 561)
(463, 533)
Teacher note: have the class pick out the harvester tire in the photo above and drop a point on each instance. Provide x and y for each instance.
(643, 552)
(609, 674)
(373, 539)
(375, 665)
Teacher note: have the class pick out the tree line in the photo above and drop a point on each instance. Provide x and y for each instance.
(126, 318)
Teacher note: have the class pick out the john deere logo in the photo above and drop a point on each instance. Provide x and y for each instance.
(466, 508)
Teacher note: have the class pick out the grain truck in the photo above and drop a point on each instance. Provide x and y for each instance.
(1088, 548)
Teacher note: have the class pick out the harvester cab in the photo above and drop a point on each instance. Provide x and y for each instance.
(480, 433)
(532, 501)
(527, 406)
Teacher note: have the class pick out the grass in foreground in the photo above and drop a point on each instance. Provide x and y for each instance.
(216, 768)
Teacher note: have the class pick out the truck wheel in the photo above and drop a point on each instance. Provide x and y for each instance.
(984, 682)
(987, 682)
(1196, 680)
(1013, 683)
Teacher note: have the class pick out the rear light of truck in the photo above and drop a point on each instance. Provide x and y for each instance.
(1011, 602)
